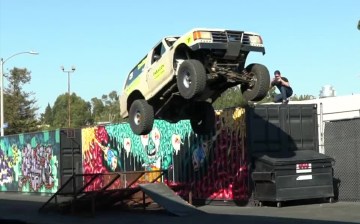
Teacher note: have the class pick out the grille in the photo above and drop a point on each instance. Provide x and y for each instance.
(246, 39)
(234, 36)
(230, 36)
(219, 37)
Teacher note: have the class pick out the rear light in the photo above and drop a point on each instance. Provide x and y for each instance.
(201, 35)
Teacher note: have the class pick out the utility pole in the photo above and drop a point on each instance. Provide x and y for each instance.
(69, 96)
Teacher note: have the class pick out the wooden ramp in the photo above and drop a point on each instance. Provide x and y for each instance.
(117, 189)
(168, 199)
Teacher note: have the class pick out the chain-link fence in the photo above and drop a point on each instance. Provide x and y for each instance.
(342, 142)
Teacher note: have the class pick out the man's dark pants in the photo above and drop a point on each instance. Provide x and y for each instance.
(285, 92)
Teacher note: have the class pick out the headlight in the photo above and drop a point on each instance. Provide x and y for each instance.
(201, 35)
(255, 40)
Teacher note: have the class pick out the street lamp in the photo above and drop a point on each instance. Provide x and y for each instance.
(2, 62)
(69, 99)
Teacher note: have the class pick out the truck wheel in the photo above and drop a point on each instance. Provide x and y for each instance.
(141, 117)
(259, 85)
(203, 118)
(191, 78)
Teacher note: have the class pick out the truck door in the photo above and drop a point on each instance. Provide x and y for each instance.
(160, 70)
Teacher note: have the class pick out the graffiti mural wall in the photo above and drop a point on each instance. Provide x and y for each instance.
(30, 162)
(216, 168)
(115, 148)
(212, 167)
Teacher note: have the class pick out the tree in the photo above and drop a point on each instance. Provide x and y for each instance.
(97, 108)
(20, 110)
(106, 109)
(113, 108)
(46, 119)
(270, 96)
(80, 115)
(232, 97)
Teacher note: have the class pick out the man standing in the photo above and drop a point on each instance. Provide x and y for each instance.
(283, 86)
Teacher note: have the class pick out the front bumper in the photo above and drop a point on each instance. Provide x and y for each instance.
(232, 49)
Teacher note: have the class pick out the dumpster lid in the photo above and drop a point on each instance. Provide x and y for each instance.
(284, 158)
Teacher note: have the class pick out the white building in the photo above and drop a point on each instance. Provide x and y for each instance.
(331, 109)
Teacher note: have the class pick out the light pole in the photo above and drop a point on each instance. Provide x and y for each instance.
(2, 62)
(69, 98)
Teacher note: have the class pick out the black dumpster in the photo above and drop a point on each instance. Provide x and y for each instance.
(295, 175)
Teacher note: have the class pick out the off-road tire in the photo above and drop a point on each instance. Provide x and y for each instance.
(259, 87)
(191, 78)
(141, 117)
(203, 118)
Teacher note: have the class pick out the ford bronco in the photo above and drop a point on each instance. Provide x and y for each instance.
(182, 76)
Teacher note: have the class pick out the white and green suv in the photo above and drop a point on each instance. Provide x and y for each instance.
(182, 76)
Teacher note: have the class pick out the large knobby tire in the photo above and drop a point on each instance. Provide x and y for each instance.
(191, 78)
(203, 118)
(141, 117)
(258, 88)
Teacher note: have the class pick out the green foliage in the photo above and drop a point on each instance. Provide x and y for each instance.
(230, 98)
(97, 108)
(233, 98)
(269, 97)
(19, 107)
(60, 112)
(106, 109)
(80, 114)
(46, 119)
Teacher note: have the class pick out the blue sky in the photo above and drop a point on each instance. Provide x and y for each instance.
(313, 43)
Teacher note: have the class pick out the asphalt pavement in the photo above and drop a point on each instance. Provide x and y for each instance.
(23, 208)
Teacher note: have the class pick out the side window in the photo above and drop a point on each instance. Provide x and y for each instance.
(163, 49)
(135, 72)
(158, 52)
